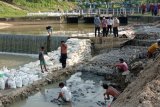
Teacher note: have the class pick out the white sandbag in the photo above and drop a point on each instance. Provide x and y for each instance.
(1, 74)
(49, 63)
(32, 78)
(35, 78)
(5, 69)
(24, 69)
(2, 84)
(18, 81)
(5, 79)
(46, 57)
(11, 83)
(25, 81)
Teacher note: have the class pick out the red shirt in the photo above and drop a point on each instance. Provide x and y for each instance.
(159, 6)
(151, 6)
(143, 6)
(122, 66)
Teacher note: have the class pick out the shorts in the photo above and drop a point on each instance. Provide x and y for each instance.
(42, 62)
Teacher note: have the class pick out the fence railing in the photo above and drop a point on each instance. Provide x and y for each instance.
(117, 12)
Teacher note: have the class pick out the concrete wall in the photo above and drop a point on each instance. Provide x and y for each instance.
(144, 19)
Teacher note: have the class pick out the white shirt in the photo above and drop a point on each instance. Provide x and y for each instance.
(109, 21)
(66, 92)
(115, 22)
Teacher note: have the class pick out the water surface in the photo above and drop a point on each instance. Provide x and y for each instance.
(86, 92)
(40, 29)
(14, 61)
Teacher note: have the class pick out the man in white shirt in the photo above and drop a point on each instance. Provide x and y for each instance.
(115, 26)
(65, 93)
(109, 25)
(97, 23)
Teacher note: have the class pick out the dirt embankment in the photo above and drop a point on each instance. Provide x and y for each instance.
(145, 90)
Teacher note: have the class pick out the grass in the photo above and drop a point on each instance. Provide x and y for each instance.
(6, 11)
(43, 6)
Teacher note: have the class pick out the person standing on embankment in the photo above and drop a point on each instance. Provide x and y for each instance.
(104, 26)
(42, 60)
(63, 57)
(115, 26)
(109, 25)
(49, 30)
(97, 23)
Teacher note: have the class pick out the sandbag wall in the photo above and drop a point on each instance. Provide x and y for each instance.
(78, 50)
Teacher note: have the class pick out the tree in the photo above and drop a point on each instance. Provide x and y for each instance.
(8, 1)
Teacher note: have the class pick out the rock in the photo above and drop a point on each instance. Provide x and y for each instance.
(1, 105)
(146, 104)
(136, 65)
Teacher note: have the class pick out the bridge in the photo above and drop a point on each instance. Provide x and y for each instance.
(90, 12)
(87, 16)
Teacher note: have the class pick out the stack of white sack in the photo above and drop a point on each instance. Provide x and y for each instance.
(78, 51)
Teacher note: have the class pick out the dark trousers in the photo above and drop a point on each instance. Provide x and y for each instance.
(155, 12)
(104, 31)
(97, 29)
(48, 44)
(143, 11)
(109, 29)
(152, 11)
(115, 31)
(63, 60)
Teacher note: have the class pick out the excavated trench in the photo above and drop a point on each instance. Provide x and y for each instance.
(85, 80)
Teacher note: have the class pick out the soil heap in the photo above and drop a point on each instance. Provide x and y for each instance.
(145, 90)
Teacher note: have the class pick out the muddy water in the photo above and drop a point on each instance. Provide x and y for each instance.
(40, 28)
(31, 28)
(14, 61)
(86, 92)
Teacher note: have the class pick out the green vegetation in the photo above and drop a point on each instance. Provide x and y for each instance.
(53, 5)
(7, 11)
(43, 5)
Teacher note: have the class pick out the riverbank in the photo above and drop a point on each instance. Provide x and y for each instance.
(5, 25)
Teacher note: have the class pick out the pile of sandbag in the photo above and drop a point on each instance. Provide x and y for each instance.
(78, 51)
